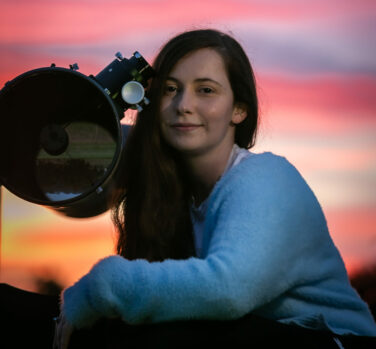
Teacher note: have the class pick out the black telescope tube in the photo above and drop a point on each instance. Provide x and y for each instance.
(61, 139)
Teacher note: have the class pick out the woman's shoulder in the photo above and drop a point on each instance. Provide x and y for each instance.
(264, 175)
(258, 167)
(266, 159)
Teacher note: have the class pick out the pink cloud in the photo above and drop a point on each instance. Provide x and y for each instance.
(336, 92)
(86, 21)
(354, 232)
(320, 104)
(14, 63)
(313, 156)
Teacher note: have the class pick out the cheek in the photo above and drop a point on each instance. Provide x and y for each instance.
(165, 107)
(219, 113)
(164, 116)
(163, 104)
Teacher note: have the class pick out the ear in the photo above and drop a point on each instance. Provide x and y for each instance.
(239, 114)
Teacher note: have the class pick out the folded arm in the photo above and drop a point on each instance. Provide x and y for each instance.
(255, 232)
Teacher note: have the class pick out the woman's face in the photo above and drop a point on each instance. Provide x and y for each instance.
(197, 108)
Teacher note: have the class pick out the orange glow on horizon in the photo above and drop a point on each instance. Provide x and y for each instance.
(63, 249)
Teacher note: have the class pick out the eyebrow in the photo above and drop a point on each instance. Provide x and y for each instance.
(196, 80)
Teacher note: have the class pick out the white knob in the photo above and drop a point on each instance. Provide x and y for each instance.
(132, 92)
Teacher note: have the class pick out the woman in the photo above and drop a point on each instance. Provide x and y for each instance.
(260, 243)
(260, 257)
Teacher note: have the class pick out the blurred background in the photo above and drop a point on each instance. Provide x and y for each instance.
(315, 65)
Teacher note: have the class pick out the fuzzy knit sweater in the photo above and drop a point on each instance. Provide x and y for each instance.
(266, 249)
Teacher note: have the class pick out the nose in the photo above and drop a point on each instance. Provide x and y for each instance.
(185, 102)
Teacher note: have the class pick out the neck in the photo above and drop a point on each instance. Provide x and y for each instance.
(205, 171)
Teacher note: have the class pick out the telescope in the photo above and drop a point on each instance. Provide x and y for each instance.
(61, 138)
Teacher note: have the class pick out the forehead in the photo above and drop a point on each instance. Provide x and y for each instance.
(203, 63)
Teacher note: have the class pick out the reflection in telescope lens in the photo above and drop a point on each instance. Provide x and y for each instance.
(89, 154)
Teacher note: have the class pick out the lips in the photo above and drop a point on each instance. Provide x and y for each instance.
(182, 126)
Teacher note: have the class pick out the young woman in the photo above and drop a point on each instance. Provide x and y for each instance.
(213, 240)
(208, 230)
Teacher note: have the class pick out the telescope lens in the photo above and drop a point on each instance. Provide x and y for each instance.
(85, 160)
(60, 135)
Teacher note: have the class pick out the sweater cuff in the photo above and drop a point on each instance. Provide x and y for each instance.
(76, 305)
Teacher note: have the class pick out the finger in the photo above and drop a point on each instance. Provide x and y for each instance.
(66, 335)
(57, 334)
(64, 341)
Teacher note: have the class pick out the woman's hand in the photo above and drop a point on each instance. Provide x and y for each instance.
(63, 332)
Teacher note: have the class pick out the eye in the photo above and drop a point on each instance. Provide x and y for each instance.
(170, 89)
(206, 90)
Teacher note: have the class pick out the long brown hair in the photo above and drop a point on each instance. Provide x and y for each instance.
(152, 213)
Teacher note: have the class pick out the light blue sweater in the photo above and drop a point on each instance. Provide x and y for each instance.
(266, 249)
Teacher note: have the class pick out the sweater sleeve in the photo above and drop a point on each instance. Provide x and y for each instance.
(262, 219)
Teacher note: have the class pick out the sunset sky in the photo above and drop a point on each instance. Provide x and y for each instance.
(315, 65)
